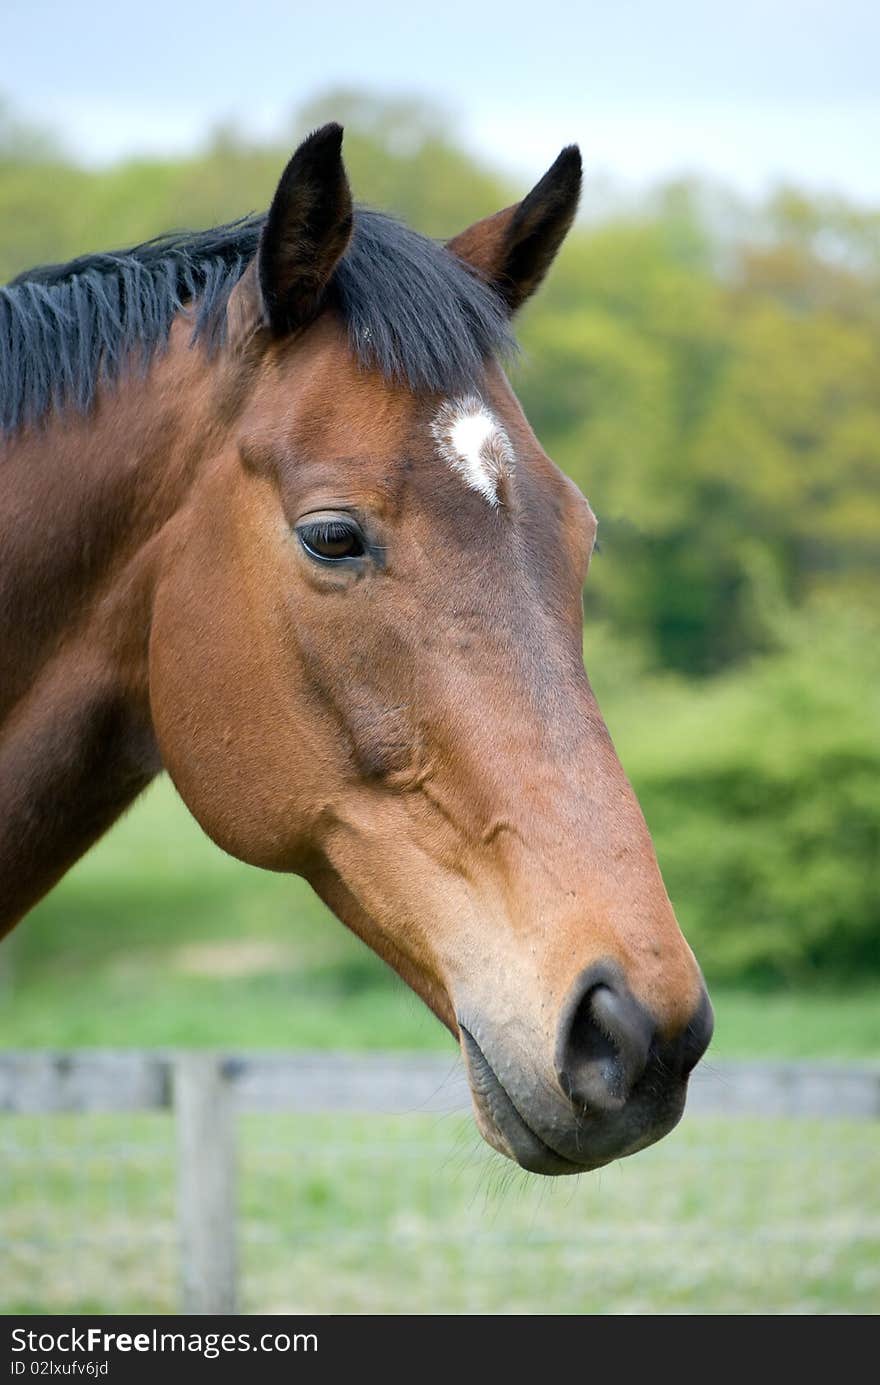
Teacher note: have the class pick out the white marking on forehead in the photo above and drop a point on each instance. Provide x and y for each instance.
(473, 443)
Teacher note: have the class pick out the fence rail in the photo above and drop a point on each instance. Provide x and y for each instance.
(208, 1091)
(36, 1082)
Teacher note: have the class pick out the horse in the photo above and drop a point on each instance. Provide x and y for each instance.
(273, 521)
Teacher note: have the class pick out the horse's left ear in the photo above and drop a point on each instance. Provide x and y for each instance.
(513, 249)
(306, 232)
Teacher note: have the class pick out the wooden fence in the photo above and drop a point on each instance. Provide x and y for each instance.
(206, 1091)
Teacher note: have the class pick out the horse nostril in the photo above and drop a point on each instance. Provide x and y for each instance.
(698, 1035)
(604, 1041)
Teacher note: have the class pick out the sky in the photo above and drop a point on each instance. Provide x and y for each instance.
(750, 92)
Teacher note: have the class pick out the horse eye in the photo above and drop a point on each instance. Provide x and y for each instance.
(331, 540)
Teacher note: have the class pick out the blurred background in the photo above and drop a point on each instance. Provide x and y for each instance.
(704, 361)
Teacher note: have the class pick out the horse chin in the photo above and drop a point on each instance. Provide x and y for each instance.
(502, 1126)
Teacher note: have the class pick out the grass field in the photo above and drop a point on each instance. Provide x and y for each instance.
(158, 938)
(411, 1214)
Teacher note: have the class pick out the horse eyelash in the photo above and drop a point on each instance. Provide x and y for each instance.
(329, 530)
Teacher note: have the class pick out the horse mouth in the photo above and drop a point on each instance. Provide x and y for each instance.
(582, 1140)
(502, 1125)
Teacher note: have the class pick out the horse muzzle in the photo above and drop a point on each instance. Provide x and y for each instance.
(616, 1085)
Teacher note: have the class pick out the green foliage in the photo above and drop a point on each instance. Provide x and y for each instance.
(763, 795)
(721, 407)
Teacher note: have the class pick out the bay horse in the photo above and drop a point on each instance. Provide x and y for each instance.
(272, 521)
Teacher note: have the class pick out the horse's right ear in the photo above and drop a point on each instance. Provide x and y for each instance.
(513, 249)
(306, 231)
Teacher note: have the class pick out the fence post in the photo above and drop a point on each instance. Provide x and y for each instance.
(205, 1183)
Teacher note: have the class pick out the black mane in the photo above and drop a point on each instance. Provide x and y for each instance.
(412, 311)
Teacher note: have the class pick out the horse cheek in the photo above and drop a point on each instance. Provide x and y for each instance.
(224, 731)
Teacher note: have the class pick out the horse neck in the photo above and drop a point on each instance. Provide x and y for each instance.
(87, 505)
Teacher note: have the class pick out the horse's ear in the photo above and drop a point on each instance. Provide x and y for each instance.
(513, 249)
(306, 231)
